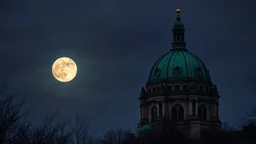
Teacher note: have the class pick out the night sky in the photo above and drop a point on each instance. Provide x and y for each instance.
(115, 43)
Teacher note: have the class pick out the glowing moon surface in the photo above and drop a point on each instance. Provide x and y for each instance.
(64, 69)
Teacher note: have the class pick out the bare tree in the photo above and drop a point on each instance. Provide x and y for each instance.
(249, 119)
(226, 127)
(63, 136)
(80, 130)
(115, 136)
(48, 132)
(45, 131)
(249, 127)
(12, 118)
(14, 127)
(252, 116)
(94, 140)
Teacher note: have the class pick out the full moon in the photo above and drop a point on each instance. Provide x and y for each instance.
(64, 69)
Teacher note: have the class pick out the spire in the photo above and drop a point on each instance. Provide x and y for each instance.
(178, 34)
(178, 14)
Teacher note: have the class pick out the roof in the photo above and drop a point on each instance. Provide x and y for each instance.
(179, 65)
(145, 129)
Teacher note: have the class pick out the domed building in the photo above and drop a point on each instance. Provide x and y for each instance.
(179, 91)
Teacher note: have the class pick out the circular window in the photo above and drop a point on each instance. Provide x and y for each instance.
(157, 72)
(177, 71)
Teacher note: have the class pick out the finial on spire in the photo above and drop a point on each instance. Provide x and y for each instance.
(178, 14)
(178, 11)
(178, 34)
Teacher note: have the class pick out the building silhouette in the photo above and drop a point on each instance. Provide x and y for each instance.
(179, 93)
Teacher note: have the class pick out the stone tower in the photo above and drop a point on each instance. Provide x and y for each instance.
(179, 91)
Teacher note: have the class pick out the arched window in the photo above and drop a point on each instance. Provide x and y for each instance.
(185, 88)
(202, 113)
(181, 113)
(178, 36)
(207, 89)
(193, 88)
(177, 88)
(174, 114)
(211, 89)
(201, 89)
(154, 89)
(169, 88)
(160, 109)
(177, 113)
(153, 113)
(158, 89)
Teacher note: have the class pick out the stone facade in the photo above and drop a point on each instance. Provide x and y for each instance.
(193, 107)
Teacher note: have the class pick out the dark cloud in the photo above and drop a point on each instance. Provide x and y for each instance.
(115, 43)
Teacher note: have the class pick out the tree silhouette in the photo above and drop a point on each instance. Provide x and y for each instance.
(115, 136)
(13, 123)
(47, 132)
(15, 129)
(80, 131)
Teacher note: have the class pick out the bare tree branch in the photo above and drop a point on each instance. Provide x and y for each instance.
(80, 130)
(12, 119)
(115, 136)
(63, 136)
(46, 132)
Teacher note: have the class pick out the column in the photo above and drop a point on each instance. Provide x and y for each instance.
(157, 111)
(163, 108)
(211, 110)
(190, 107)
(196, 108)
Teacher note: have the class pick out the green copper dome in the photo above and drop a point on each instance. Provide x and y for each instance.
(178, 25)
(145, 129)
(178, 64)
